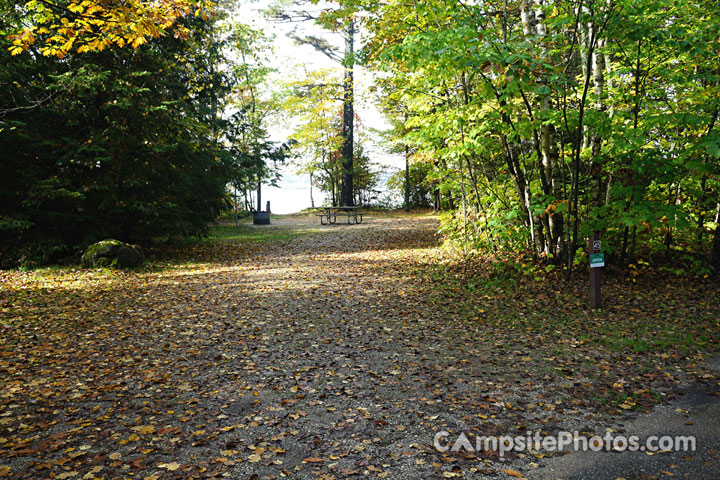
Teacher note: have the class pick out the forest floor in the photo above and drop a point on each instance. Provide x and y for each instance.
(337, 352)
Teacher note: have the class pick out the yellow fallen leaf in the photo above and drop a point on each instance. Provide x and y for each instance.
(145, 429)
(512, 473)
(170, 466)
(313, 460)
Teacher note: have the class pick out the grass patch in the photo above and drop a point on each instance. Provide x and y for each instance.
(647, 336)
(248, 234)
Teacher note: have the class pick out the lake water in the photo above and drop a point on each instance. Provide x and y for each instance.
(290, 198)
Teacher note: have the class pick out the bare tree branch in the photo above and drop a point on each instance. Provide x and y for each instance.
(319, 44)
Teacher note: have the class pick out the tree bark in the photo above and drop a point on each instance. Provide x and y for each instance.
(312, 200)
(407, 178)
(347, 194)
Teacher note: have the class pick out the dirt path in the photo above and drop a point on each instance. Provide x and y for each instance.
(322, 357)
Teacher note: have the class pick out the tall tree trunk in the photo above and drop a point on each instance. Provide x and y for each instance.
(346, 195)
(597, 189)
(312, 200)
(407, 178)
(548, 153)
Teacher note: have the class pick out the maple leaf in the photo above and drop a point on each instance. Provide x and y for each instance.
(116, 23)
(146, 429)
(313, 460)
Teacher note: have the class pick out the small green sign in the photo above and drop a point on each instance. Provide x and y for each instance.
(597, 260)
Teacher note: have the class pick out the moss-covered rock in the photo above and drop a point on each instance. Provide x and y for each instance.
(112, 253)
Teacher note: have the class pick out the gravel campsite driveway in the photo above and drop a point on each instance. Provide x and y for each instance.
(324, 356)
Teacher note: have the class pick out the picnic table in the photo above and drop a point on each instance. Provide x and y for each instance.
(330, 214)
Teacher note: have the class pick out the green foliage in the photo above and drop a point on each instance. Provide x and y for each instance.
(420, 187)
(367, 176)
(315, 102)
(117, 144)
(544, 123)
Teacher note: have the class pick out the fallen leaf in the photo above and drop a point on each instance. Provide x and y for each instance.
(512, 473)
(65, 475)
(313, 460)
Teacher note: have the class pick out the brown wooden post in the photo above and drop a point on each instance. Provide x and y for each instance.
(595, 247)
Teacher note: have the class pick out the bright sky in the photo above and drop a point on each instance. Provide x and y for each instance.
(293, 193)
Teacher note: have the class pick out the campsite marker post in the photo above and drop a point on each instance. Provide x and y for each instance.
(597, 261)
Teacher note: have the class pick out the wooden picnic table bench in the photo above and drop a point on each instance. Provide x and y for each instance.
(330, 214)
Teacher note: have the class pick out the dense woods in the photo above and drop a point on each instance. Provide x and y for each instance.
(136, 142)
(544, 122)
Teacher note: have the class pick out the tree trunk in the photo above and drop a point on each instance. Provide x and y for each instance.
(235, 204)
(312, 200)
(346, 195)
(259, 188)
(598, 74)
(407, 179)
(715, 261)
(702, 198)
